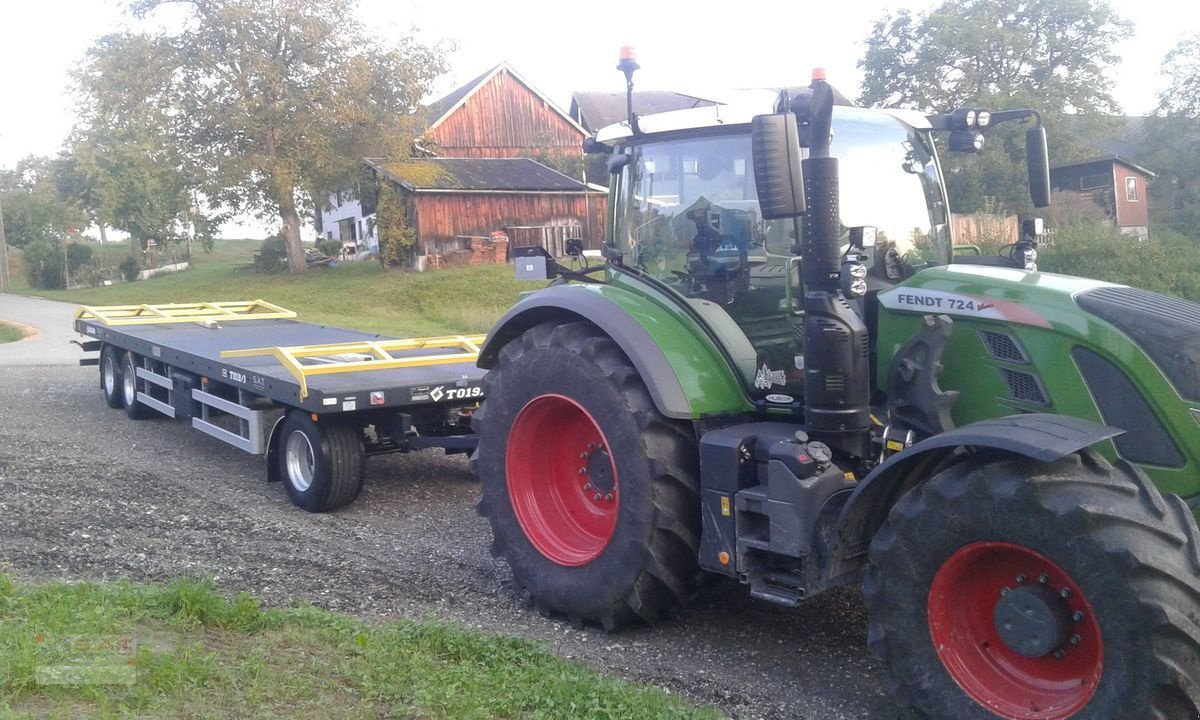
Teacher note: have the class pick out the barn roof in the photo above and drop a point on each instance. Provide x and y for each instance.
(476, 175)
(1106, 161)
(444, 107)
(595, 110)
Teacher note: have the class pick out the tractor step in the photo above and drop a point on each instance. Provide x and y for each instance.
(779, 588)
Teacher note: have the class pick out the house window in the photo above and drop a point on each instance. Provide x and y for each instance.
(328, 234)
(1091, 182)
(1131, 189)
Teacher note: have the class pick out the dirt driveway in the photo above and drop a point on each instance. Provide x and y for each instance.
(87, 493)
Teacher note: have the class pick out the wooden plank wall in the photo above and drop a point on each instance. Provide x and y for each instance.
(990, 232)
(442, 217)
(503, 118)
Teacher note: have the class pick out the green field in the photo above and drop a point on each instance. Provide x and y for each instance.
(182, 650)
(360, 295)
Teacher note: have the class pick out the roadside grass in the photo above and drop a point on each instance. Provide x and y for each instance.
(186, 651)
(359, 295)
(8, 333)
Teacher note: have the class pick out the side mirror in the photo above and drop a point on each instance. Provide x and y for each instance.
(1038, 159)
(778, 177)
(616, 163)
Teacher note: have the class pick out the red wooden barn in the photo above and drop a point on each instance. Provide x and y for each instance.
(500, 115)
(454, 203)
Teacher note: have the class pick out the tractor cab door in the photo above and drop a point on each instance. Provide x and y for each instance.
(688, 217)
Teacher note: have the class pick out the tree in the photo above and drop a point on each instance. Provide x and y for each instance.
(1173, 140)
(34, 211)
(1051, 55)
(122, 163)
(273, 104)
(1182, 67)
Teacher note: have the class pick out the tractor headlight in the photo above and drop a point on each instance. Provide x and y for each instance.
(966, 141)
(853, 280)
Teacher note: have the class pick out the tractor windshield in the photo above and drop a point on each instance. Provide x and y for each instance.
(688, 212)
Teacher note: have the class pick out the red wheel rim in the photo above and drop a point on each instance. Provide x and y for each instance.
(963, 624)
(561, 480)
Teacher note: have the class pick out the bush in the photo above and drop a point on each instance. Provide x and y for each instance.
(272, 256)
(130, 267)
(1167, 263)
(331, 248)
(43, 265)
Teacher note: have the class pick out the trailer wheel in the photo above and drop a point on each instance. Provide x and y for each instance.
(592, 494)
(110, 377)
(134, 408)
(321, 464)
(1019, 589)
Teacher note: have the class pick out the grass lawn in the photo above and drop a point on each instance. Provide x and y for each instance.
(359, 295)
(8, 333)
(123, 650)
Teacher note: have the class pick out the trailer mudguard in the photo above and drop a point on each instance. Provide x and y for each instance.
(687, 375)
(1040, 436)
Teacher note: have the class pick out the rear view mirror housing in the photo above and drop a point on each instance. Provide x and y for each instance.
(778, 176)
(1037, 157)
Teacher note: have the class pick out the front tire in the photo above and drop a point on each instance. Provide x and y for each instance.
(110, 377)
(591, 493)
(321, 464)
(1016, 589)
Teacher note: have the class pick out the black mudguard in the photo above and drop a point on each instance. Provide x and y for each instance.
(563, 304)
(1040, 436)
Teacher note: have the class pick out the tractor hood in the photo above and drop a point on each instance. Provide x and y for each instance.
(1167, 329)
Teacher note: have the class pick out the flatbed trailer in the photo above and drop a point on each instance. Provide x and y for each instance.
(315, 400)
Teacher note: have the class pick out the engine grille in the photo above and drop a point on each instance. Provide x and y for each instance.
(1003, 347)
(1023, 386)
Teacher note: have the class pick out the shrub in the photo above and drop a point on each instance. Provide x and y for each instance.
(43, 265)
(130, 267)
(331, 248)
(272, 255)
(1167, 263)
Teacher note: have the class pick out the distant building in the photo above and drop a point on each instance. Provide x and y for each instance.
(498, 114)
(453, 203)
(1117, 185)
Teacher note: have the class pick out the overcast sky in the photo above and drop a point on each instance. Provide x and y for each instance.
(698, 47)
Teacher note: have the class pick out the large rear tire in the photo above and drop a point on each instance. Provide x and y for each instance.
(591, 493)
(1016, 589)
(321, 464)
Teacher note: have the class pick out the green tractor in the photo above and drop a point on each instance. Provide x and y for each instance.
(783, 374)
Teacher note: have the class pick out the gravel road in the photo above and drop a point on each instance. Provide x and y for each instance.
(86, 493)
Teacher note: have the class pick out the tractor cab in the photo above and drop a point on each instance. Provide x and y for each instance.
(687, 219)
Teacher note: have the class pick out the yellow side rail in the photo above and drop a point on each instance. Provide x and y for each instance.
(201, 312)
(466, 349)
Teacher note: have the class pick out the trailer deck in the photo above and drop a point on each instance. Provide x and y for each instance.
(342, 373)
(209, 362)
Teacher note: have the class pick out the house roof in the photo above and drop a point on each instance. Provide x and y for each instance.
(471, 175)
(444, 107)
(1105, 160)
(595, 110)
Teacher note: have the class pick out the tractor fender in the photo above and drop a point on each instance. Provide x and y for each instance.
(1039, 436)
(622, 316)
(273, 450)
